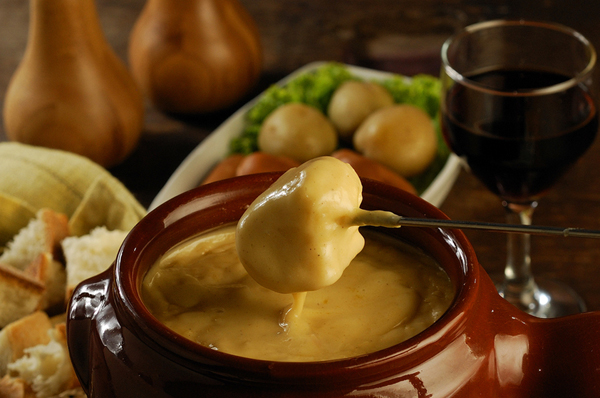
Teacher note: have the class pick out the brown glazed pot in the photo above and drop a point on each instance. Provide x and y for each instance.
(481, 347)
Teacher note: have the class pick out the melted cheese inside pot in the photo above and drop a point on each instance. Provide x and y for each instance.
(389, 293)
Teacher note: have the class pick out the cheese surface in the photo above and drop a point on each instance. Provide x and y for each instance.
(389, 293)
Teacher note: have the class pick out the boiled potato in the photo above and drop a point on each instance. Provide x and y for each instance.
(352, 102)
(298, 131)
(401, 137)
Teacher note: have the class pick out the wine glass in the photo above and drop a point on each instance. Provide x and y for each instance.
(517, 107)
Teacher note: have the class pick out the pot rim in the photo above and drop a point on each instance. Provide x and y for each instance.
(168, 216)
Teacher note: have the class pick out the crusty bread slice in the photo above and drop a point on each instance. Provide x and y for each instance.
(19, 335)
(43, 234)
(20, 294)
(54, 276)
(36, 250)
(90, 254)
(12, 387)
(47, 367)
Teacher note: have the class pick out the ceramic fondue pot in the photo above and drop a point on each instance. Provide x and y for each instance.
(482, 346)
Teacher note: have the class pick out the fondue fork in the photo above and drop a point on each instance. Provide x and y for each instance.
(387, 219)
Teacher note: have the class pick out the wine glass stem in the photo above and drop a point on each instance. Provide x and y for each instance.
(519, 286)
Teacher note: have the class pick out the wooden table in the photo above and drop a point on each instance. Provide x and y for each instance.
(295, 32)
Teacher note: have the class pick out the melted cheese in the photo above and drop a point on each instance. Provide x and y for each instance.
(389, 293)
(295, 237)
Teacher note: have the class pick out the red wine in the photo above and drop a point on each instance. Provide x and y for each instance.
(519, 145)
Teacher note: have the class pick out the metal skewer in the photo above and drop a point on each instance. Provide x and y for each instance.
(508, 228)
(391, 220)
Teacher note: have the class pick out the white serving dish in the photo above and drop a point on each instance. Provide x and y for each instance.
(215, 147)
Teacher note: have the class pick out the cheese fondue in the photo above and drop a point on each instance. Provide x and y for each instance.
(243, 289)
(390, 292)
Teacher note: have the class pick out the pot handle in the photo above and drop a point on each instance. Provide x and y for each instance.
(535, 357)
(565, 355)
(86, 303)
(558, 357)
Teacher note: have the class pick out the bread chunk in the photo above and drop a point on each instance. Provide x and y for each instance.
(20, 294)
(53, 274)
(36, 251)
(47, 367)
(11, 387)
(26, 332)
(42, 235)
(91, 254)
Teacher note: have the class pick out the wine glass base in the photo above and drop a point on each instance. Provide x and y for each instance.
(553, 299)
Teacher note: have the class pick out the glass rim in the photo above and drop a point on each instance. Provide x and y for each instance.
(581, 75)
